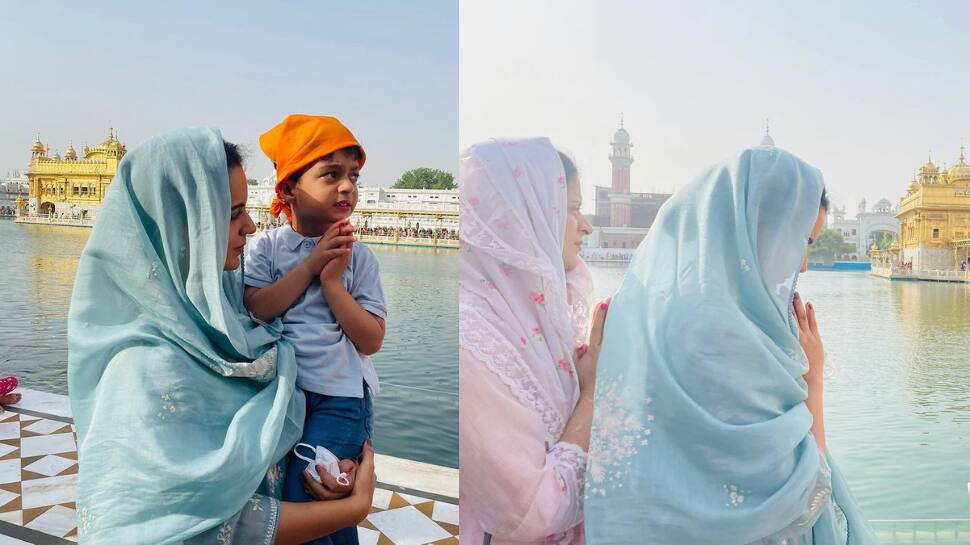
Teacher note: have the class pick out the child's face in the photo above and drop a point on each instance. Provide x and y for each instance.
(327, 191)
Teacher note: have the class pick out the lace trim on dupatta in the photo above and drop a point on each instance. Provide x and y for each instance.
(487, 345)
(476, 236)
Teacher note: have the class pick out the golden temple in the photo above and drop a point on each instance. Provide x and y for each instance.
(70, 187)
(934, 225)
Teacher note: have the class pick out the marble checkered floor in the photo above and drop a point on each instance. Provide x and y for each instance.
(38, 481)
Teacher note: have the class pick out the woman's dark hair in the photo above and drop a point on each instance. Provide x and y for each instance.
(233, 155)
(572, 175)
(825, 200)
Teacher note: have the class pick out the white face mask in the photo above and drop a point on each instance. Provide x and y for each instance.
(324, 458)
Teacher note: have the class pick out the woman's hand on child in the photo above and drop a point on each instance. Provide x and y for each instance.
(365, 480)
(330, 489)
(809, 338)
(587, 356)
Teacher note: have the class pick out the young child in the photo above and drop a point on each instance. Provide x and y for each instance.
(327, 289)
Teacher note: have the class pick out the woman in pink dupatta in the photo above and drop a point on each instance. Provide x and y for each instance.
(525, 376)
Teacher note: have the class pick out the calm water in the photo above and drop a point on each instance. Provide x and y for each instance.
(416, 415)
(897, 410)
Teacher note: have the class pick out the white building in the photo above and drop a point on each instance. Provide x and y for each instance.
(377, 207)
(418, 209)
(263, 192)
(868, 227)
(406, 198)
(15, 185)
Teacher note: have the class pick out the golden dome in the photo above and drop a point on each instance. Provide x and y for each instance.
(38, 147)
(929, 169)
(913, 186)
(961, 170)
(894, 245)
(71, 155)
(111, 147)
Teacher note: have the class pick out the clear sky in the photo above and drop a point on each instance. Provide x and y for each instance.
(863, 90)
(387, 69)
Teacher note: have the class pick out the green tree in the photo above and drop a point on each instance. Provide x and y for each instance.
(425, 178)
(828, 245)
(886, 242)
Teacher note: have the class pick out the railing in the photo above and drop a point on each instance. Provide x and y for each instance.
(410, 241)
(614, 255)
(944, 274)
(50, 220)
(929, 274)
(919, 531)
(403, 207)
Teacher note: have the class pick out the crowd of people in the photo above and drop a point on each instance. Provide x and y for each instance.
(400, 232)
(413, 232)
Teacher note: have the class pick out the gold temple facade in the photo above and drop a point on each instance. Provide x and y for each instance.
(70, 187)
(934, 221)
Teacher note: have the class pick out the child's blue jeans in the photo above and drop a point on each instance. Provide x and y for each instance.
(341, 425)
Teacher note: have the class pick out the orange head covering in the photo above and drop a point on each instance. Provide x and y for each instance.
(298, 141)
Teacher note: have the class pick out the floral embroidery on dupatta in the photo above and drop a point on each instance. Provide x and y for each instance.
(620, 434)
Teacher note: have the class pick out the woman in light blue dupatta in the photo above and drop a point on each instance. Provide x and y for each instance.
(703, 428)
(185, 407)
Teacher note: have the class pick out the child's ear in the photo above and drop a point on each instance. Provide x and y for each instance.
(286, 190)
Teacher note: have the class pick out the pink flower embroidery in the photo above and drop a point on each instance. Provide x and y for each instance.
(474, 201)
(523, 341)
(517, 172)
(489, 284)
(499, 224)
(561, 181)
(537, 297)
(564, 365)
(506, 269)
(537, 333)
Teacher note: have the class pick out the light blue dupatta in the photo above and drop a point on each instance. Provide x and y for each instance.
(181, 401)
(700, 430)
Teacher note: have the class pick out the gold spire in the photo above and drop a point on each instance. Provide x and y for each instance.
(38, 147)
